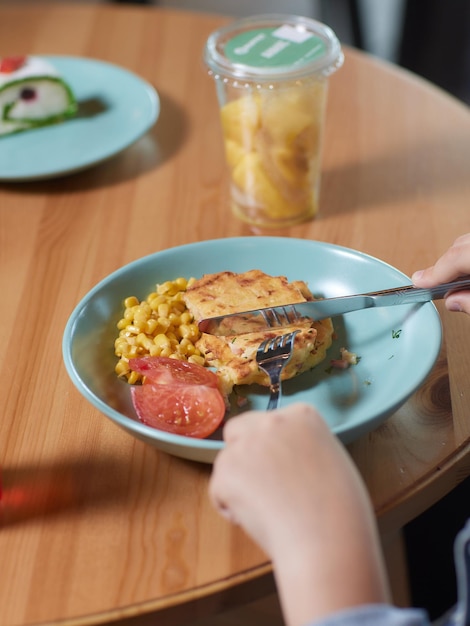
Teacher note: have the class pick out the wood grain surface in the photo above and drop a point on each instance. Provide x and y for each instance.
(95, 526)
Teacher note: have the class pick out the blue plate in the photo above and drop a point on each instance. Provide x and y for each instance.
(116, 107)
(397, 345)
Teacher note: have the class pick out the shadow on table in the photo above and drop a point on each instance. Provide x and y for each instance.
(391, 178)
(153, 149)
(31, 491)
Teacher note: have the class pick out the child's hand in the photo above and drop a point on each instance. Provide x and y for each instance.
(287, 480)
(450, 266)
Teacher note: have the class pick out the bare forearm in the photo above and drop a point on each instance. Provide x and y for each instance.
(323, 568)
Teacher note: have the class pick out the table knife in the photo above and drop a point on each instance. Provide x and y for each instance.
(257, 320)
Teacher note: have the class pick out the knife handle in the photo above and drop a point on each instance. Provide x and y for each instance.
(428, 293)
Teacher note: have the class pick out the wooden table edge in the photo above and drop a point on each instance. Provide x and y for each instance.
(187, 605)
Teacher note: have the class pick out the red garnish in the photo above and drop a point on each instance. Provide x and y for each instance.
(8, 65)
(339, 364)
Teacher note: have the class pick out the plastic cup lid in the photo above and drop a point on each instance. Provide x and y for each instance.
(268, 47)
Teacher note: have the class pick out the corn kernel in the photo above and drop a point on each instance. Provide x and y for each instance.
(175, 319)
(144, 342)
(123, 323)
(134, 377)
(130, 302)
(163, 310)
(162, 341)
(129, 314)
(166, 288)
(164, 323)
(156, 301)
(172, 337)
(197, 359)
(132, 329)
(185, 317)
(179, 305)
(150, 326)
(181, 283)
(122, 368)
(142, 312)
(132, 352)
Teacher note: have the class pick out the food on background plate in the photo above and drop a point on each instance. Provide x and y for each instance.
(32, 94)
(234, 356)
(160, 345)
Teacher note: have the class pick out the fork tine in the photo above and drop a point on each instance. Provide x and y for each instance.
(264, 345)
(280, 341)
(285, 339)
(272, 355)
(269, 344)
(280, 316)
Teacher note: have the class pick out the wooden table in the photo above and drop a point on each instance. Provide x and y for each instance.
(97, 526)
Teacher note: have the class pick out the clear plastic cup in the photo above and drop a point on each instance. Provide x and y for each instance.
(271, 74)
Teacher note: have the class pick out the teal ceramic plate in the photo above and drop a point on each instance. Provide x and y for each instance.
(116, 107)
(397, 345)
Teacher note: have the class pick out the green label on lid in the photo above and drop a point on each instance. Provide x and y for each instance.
(274, 47)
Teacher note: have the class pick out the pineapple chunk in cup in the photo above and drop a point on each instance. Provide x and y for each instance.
(271, 74)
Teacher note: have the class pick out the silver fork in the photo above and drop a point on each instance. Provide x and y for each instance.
(272, 356)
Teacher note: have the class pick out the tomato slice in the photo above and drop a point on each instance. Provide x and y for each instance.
(164, 371)
(190, 410)
(8, 65)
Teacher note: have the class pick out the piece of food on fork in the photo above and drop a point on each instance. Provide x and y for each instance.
(234, 355)
(32, 94)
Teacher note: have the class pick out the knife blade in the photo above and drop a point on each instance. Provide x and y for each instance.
(258, 320)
